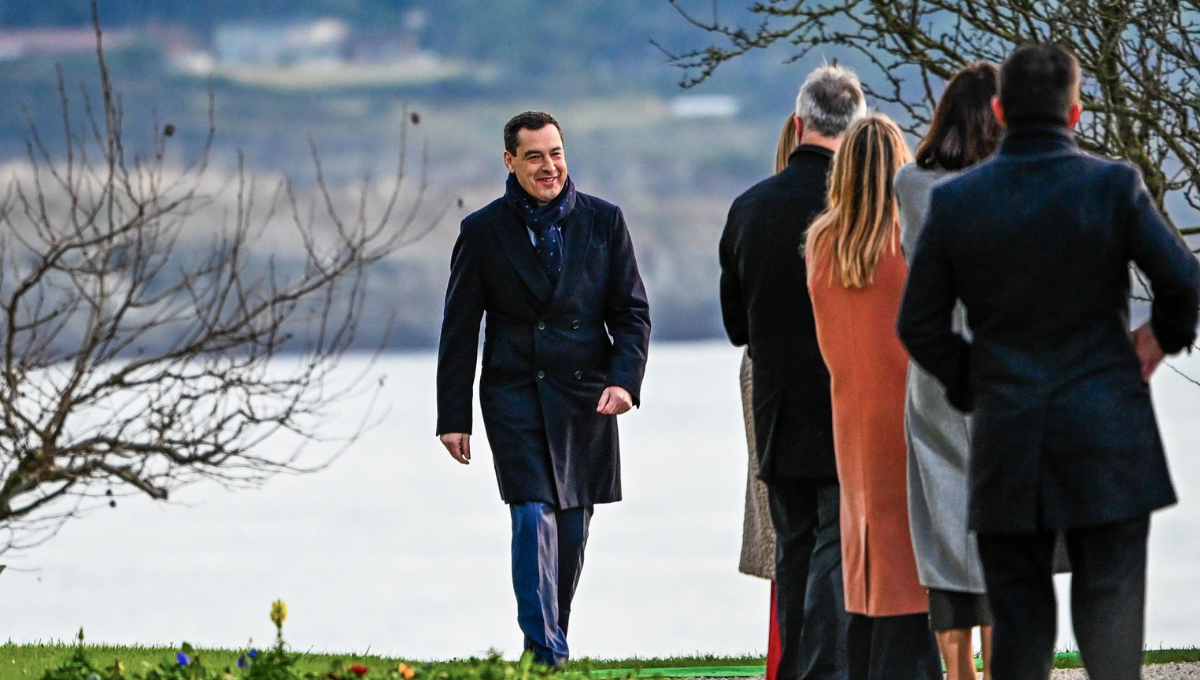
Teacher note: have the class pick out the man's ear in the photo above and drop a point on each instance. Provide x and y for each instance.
(508, 160)
(998, 110)
(1073, 114)
(799, 128)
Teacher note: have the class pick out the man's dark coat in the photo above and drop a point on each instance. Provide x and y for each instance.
(548, 352)
(765, 304)
(1036, 243)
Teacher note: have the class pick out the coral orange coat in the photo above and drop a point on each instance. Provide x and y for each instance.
(856, 330)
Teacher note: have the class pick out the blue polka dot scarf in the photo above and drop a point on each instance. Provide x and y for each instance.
(544, 221)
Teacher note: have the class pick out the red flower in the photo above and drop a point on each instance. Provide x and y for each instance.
(358, 670)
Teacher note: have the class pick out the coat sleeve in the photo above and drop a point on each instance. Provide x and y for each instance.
(733, 306)
(1171, 269)
(626, 314)
(459, 345)
(925, 325)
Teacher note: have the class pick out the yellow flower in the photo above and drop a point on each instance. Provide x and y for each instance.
(278, 613)
(406, 671)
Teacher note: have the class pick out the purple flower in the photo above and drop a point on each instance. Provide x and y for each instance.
(241, 661)
(183, 659)
(253, 653)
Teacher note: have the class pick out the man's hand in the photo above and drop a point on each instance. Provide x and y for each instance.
(614, 401)
(459, 446)
(1150, 354)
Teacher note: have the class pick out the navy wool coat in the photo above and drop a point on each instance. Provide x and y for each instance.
(549, 352)
(1037, 242)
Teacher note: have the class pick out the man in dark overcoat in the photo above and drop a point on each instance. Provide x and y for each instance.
(1037, 242)
(565, 343)
(765, 304)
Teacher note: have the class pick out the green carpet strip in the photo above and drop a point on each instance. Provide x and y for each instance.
(697, 672)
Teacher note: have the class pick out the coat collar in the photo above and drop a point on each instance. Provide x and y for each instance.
(514, 238)
(1026, 139)
(577, 240)
(577, 235)
(807, 149)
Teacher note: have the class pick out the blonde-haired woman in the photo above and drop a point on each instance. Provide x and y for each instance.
(856, 277)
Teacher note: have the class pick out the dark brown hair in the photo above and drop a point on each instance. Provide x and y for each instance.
(964, 130)
(526, 120)
(1038, 84)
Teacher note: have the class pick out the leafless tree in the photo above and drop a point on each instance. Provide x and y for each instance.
(1140, 61)
(141, 354)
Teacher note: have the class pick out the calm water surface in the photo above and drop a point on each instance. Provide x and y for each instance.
(398, 549)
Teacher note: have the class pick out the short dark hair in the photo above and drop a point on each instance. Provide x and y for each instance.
(964, 130)
(526, 120)
(1038, 84)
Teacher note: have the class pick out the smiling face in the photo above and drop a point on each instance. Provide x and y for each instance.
(539, 162)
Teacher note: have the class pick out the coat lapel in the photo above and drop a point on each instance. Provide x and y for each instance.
(515, 241)
(577, 237)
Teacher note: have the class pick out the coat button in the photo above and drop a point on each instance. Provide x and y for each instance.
(541, 325)
(575, 324)
(579, 375)
(541, 374)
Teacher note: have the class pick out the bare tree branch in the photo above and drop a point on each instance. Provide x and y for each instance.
(138, 360)
(1140, 61)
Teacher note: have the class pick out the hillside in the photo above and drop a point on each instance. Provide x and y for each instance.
(343, 72)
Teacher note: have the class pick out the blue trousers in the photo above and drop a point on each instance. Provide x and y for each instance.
(547, 557)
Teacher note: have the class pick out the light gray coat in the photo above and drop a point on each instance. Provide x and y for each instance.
(938, 437)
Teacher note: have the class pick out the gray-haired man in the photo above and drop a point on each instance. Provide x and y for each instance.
(765, 304)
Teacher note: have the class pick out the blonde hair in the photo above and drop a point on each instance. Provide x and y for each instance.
(787, 143)
(861, 217)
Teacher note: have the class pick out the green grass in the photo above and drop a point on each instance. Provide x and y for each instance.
(31, 661)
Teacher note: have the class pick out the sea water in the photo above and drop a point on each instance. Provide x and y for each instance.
(396, 549)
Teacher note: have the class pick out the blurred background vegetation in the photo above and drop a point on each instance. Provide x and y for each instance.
(343, 72)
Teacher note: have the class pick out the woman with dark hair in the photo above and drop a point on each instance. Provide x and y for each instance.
(964, 131)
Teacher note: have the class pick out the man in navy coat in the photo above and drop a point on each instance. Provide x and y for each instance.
(565, 343)
(1037, 242)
